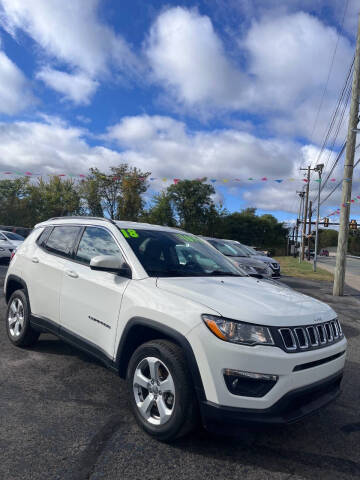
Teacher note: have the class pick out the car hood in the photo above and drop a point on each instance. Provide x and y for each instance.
(252, 262)
(250, 300)
(15, 243)
(6, 244)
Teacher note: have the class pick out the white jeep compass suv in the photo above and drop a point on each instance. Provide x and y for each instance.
(190, 332)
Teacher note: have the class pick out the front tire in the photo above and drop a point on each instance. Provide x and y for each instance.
(18, 326)
(162, 396)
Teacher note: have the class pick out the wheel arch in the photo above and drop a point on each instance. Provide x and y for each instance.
(13, 283)
(140, 330)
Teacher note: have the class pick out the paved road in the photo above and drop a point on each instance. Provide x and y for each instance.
(352, 269)
(64, 416)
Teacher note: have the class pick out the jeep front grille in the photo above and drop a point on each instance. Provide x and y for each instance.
(310, 337)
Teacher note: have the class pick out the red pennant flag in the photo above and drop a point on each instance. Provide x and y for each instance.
(333, 180)
(82, 176)
(264, 179)
(176, 180)
(305, 180)
(28, 173)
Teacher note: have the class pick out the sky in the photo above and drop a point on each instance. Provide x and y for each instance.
(223, 89)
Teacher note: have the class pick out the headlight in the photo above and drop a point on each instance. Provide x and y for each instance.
(238, 332)
(246, 268)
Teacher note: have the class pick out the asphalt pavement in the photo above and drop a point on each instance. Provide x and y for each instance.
(65, 416)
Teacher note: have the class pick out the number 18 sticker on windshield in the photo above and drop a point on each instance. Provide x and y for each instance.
(129, 233)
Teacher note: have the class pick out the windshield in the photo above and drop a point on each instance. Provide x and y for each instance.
(228, 248)
(250, 250)
(171, 254)
(13, 236)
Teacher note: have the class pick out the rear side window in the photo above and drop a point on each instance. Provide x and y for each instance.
(96, 241)
(62, 240)
(43, 235)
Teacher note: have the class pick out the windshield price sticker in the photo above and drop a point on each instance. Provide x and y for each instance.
(187, 238)
(129, 233)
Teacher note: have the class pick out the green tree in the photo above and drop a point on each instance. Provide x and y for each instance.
(161, 212)
(192, 203)
(53, 198)
(130, 204)
(354, 242)
(90, 194)
(261, 231)
(118, 194)
(13, 202)
(328, 238)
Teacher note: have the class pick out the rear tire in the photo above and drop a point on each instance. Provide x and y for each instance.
(162, 396)
(18, 326)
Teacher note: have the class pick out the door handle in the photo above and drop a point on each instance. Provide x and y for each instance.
(35, 260)
(71, 273)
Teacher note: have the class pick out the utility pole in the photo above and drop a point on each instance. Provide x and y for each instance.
(305, 212)
(319, 169)
(309, 231)
(340, 267)
(298, 220)
(302, 224)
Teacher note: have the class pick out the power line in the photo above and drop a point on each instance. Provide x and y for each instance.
(330, 69)
(344, 91)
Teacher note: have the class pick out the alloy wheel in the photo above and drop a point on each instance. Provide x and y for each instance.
(16, 317)
(154, 391)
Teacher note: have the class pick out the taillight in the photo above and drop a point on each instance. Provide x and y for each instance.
(12, 255)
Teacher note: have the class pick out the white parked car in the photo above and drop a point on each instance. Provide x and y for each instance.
(9, 241)
(173, 316)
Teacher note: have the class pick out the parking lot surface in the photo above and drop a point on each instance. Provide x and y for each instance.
(65, 416)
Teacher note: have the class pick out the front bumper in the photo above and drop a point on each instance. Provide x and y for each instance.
(294, 370)
(292, 407)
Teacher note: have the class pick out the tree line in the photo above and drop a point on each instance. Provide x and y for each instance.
(122, 194)
(329, 238)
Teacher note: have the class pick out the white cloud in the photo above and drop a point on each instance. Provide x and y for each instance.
(50, 146)
(15, 93)
(166, 148)
(77, 87)
(70, 32)
(188, 58)
(284, 63)
(289, 58)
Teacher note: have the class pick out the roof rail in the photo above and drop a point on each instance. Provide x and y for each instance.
(85, 217)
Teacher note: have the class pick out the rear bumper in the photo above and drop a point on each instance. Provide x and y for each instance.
(291, 408)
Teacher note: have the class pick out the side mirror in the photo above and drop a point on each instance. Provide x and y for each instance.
(110, 263)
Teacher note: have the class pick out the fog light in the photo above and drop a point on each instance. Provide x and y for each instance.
(248, 384)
